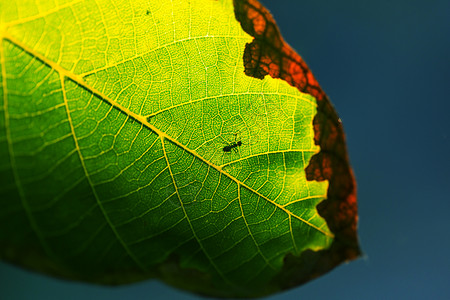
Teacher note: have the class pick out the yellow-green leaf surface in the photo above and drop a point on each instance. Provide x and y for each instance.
(114, 121)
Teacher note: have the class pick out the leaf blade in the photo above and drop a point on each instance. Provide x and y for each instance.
(145, 123)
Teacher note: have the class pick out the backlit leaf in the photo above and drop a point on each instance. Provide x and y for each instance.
(179, 140)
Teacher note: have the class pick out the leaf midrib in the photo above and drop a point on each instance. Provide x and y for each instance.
(143, 120)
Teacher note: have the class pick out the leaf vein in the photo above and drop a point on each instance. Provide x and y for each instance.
(17, 180)
(249, 231)
(187, 217)
(79, 80)
(99, 203)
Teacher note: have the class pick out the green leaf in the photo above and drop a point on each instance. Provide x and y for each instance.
(135, 144)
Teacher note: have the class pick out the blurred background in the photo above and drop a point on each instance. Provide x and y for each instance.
(386, 67)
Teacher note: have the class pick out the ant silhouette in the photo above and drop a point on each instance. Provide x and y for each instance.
(233, 145)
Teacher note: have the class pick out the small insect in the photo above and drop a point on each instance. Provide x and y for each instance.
(232, 146)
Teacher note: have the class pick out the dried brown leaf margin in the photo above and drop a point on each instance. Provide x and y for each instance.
(269, 54)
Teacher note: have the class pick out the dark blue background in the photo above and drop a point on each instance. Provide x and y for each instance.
(386, 67)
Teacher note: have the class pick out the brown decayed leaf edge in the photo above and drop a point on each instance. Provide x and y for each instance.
(269, 54)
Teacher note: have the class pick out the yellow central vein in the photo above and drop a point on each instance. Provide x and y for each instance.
(88, 177)
(77, 79)
(9, 141)
(187, 217)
